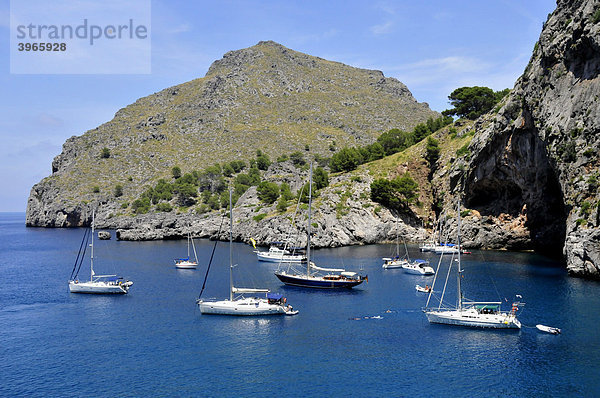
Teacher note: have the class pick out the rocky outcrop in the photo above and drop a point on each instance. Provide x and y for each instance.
(266, 97)
(537, 159)
(104, 235)
(342, 215)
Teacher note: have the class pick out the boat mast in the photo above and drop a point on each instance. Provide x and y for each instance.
(230, 248)
(398, 239)
(308, 228)
(92, 246)
(459, 269)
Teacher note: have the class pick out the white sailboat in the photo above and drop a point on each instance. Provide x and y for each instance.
(483, 314)
(186, 263)
(396, 261)
(238, 304)
(429, 246)
(98, 284)
(314, 276)
(448, 248)
(418, 266)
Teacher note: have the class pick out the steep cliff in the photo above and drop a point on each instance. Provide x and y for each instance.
(536, 161)
(265, 97)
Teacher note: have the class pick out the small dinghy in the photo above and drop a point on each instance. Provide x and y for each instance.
(548, 329)
(425, 289)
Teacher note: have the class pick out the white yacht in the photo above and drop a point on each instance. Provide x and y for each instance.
(446, 249)
(418, 267)
(394, 262)
(279, 253)
(98, 284)
(238, 304)
(484, 314)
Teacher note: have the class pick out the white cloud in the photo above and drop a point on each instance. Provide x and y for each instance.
(455, 64)
(382, 29)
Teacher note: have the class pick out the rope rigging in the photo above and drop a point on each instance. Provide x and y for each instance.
(80, 255)
(211, 257)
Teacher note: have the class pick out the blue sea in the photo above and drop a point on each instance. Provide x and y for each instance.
(371, 341)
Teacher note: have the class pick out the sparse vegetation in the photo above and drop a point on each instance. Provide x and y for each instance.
(464, 150)
(105, 154)
(164, 207)
(259, 217)
(596, 16)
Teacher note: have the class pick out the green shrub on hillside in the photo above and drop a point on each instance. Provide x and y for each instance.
(176, 172)
(347, 159)
(320, 178)
(268, 192)
(118, 190)
(395, 194)
(262, 161)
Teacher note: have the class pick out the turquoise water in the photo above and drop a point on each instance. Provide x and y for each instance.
(154, 341)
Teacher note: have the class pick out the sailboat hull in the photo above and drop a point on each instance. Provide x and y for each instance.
(393, 264)
(279, 257)
(317, 282)
(186, 265)
(97, 287)
(242, 307)
(472, 319)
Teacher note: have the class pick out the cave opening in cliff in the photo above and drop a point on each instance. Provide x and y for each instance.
(522, 183)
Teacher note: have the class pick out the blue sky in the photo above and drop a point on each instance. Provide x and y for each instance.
(431, 46)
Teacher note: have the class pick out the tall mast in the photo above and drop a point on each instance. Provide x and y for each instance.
(397, 239)
(92, 245)
(308, 228)
(459, 250)
(230, 248)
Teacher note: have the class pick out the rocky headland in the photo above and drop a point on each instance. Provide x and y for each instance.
(526, 174)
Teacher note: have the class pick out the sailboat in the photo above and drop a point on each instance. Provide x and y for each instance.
(186, 263)
(418, 266)
(238, 304)
(438, 248)
(98, 284)
(314, 276)
(471, 313)
(396, 261)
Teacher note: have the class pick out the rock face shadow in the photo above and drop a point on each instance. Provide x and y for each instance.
(515, 177)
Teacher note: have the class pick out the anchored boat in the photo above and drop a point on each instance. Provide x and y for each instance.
(471, 313)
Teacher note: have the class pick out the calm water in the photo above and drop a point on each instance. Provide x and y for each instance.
(155, 342)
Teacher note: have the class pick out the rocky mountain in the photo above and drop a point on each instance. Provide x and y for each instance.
(266, 97)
